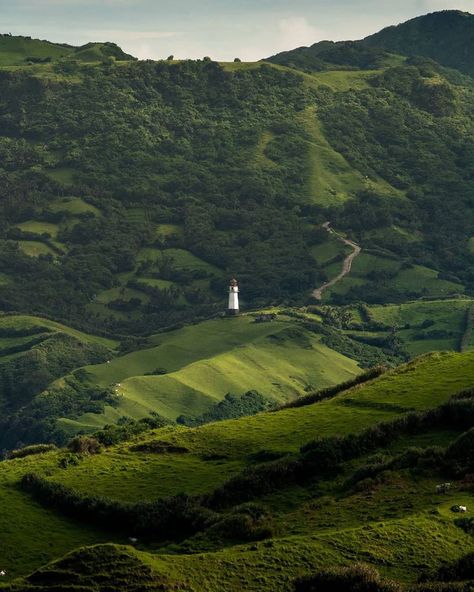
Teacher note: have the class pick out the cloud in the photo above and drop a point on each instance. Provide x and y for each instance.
(296, 31)
(433, 5)
(124, 35)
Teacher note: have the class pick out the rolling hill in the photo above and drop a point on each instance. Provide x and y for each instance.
(446, 37)
(51, 391)
(322, 520)
(151, 443)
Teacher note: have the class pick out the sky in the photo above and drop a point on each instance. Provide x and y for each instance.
(221, 29)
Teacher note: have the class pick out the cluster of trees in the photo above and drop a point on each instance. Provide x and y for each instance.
(181, 143)
(231, 407)
(173, 518)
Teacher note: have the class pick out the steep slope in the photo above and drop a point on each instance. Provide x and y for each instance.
(446, 37)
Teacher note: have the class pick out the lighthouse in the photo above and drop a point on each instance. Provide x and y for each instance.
(233, 308)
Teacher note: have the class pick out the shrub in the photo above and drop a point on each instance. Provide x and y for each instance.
(332, 391)
(84, 445)
(178, 516)
(460, 454)
(463, 569)
(356, 578)
(29, 450)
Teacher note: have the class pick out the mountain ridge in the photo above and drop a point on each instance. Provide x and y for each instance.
(444, 36)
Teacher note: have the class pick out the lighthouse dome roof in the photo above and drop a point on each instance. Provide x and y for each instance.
(233, 282)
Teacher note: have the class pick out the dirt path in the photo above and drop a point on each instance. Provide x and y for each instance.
(346, 266)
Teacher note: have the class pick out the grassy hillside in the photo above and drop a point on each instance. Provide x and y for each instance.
(188, 371)
(196, 366)
(315, 524)
(20, 51)
(34, 352)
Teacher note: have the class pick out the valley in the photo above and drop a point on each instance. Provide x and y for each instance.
(318, 438)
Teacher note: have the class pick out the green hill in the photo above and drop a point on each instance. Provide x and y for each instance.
(188, 371)
(128, 219)
(20, 51)
(151, 443)
(446, 37)
(50, 391)
(321, 520)
(341, 55)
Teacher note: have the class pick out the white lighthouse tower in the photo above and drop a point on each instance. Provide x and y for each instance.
(233, 298)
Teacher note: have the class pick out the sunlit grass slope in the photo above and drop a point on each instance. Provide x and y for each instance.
(30, 324)
(200, 364)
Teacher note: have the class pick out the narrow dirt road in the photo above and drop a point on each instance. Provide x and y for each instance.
(346, 266)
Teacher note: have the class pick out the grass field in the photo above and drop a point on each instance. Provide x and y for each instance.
(63, 175)
(120, 293)
(415, 281)
(166, 230)
(35, 248)
(182, 259)
(40, 228)
(330, 178)
(16, 50)
(25, 323)
(426, 326)
(73, 206)
(325, 252)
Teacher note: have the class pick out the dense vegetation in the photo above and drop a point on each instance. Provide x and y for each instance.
(176, 149)
(131, 191)
(446, 37)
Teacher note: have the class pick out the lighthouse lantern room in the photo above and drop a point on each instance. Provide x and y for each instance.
(233, 298)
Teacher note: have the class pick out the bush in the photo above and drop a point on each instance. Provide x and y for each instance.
(178, 516)
(84, 445)
(332, 391)
(460, 454)
(463, 569)
(357, 578)
(29, 450)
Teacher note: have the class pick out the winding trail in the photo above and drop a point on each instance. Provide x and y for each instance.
(346, 266)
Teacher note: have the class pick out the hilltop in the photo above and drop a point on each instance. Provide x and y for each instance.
(446, 37)
(20, 51)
